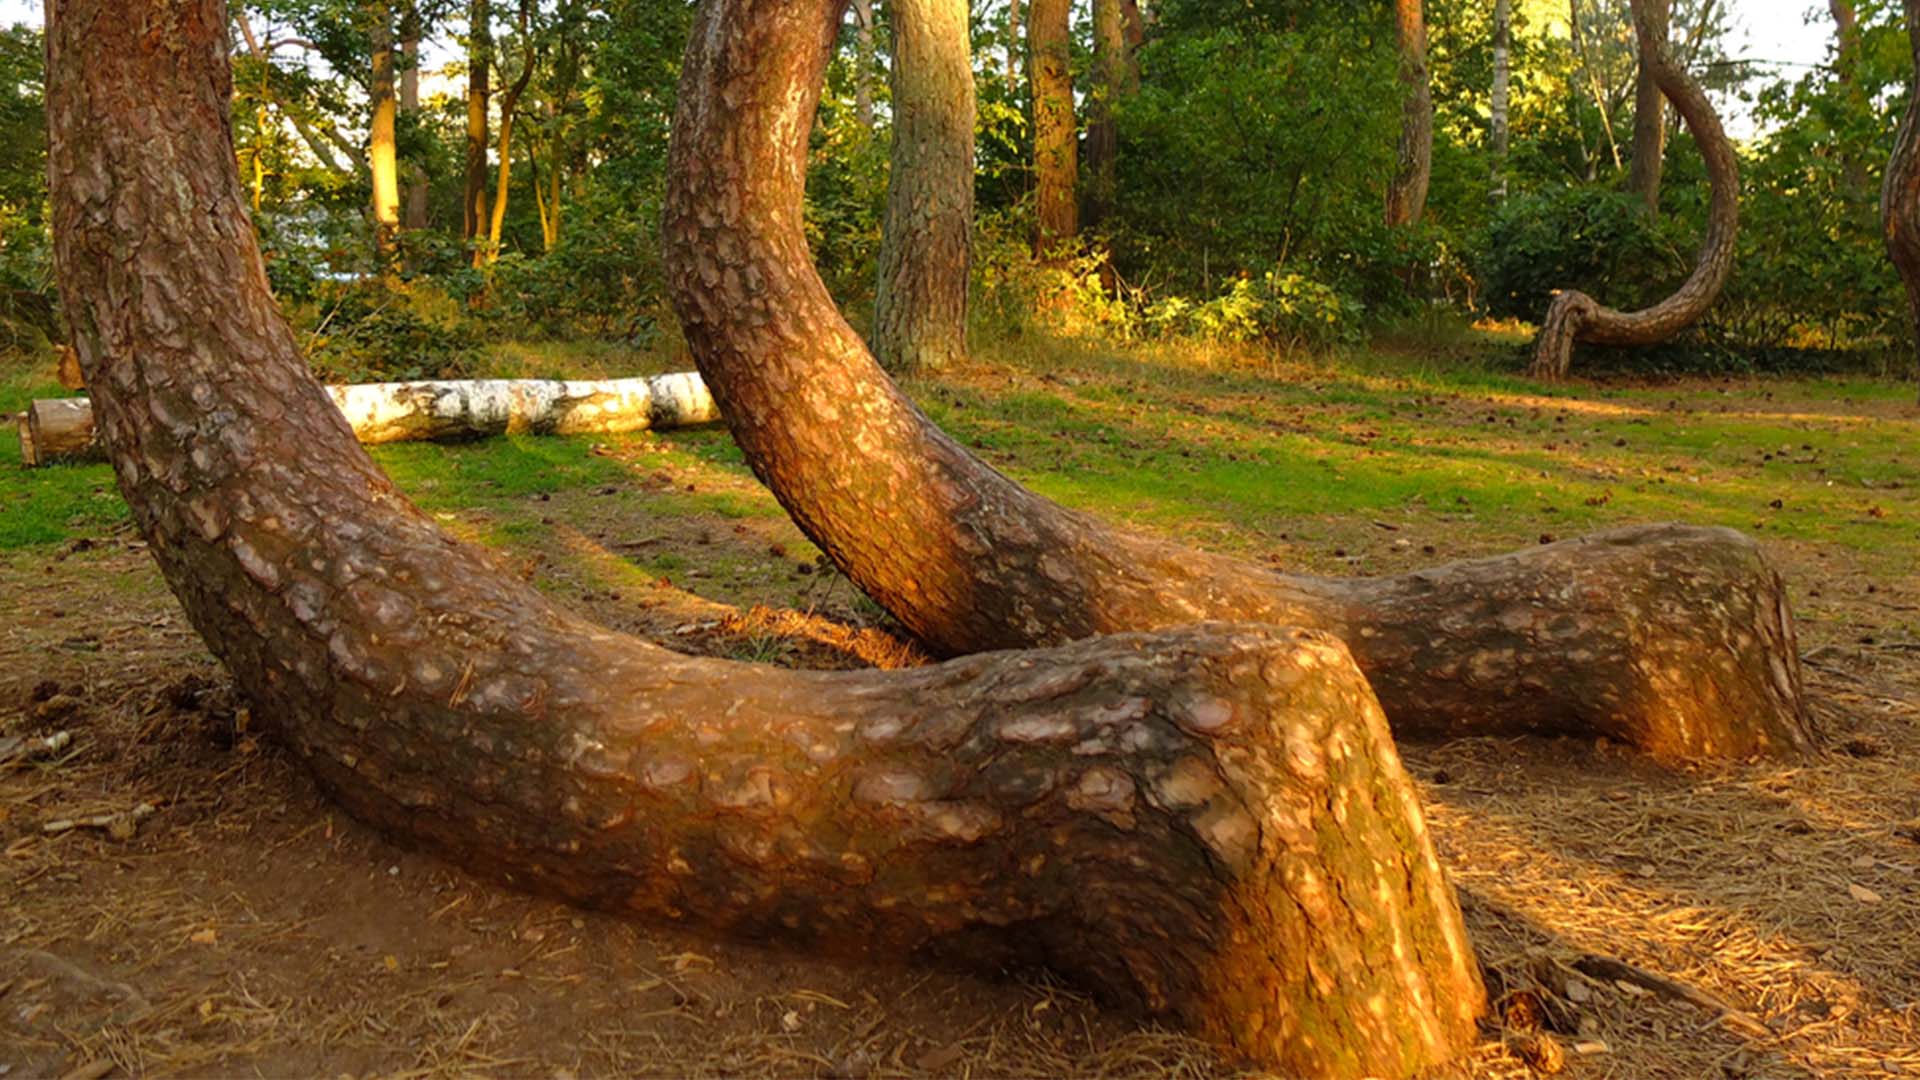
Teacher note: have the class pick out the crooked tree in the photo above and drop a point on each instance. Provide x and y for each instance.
(1677, 640)
(1210, 823)
(926, 249)
(1574, 316)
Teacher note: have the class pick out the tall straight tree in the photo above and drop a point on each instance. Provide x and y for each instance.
(1650, 116)
(1056, 167)
(1502, 95)
(926, 250)
(509, 108)
(1900, 192)
(1407, 193)
(1210, 824)
(414, 213)
(382, 146)
(1113, 78)
(474, 216)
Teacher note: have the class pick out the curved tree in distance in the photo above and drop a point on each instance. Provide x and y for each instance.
(1210, 823)
(1900, 192)
(1574, 316)
(1676, 640)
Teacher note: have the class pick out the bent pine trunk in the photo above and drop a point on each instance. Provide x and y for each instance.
(1210, 823)
(57, 429)
(1576, 317)
(1677, 640)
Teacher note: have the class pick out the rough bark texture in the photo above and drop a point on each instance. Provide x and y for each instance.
(381, 145)
(1407, 192)
(1056, 167)
(58, 429)
(1576, 317)
(1649, 117)
(1112, 80)
(1900, 192)
(1502, 92)
(474, 214)
(1209, 823)
(1674, 639)
(926, 250)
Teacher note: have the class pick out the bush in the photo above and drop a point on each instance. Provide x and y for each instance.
(371, 331)
(1598, 241)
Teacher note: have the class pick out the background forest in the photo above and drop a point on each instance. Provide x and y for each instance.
(1252, 153)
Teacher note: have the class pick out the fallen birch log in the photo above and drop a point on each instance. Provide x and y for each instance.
(62, 429)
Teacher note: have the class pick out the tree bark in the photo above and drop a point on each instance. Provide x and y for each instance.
(863, 63)
(381, 146)
(1407, 192)
(1576, 317)
(1650, 116)
(1014, 39)
(926, 250)
(1502, 93)
(1209, 823)
(1056, 168)
(61, 429)
(1848, 43)
(1673, 639)
(474, 214)
(414, 215)
(1112, 80)
(1900, 191)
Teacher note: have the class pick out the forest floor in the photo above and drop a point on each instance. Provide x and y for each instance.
(243, 926)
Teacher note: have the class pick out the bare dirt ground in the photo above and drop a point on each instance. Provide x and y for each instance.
(242, 926)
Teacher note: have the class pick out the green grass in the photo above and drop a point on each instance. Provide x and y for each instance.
(1239, 452)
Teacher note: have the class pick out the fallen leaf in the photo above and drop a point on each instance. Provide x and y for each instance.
(939, 1060)
(1863, 894)
(204, 937)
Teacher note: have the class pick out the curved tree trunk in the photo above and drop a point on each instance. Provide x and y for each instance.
(1407, 192)
(1210, 823)
(1677, 640)
(1576, 317)
(1649, 117)
(1900, 192)
(926, 249)
(1056, 166)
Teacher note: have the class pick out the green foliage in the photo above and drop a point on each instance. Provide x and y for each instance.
(1598, 241)
(27, 302)
(370, 331)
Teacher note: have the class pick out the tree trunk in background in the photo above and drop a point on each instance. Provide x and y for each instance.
(1013, 42)
(509, 106)
(1407, 193)
(1650, 116)
(1113, 78)
(864, 63)
(1674, 639)
(926, 250)
(1576, 317)
(415, 213)
(1210, 823)
(381, 146)
(1056, 169)
(1900, 193)
(1846, 68)
(474, 215)
(1502, 93)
